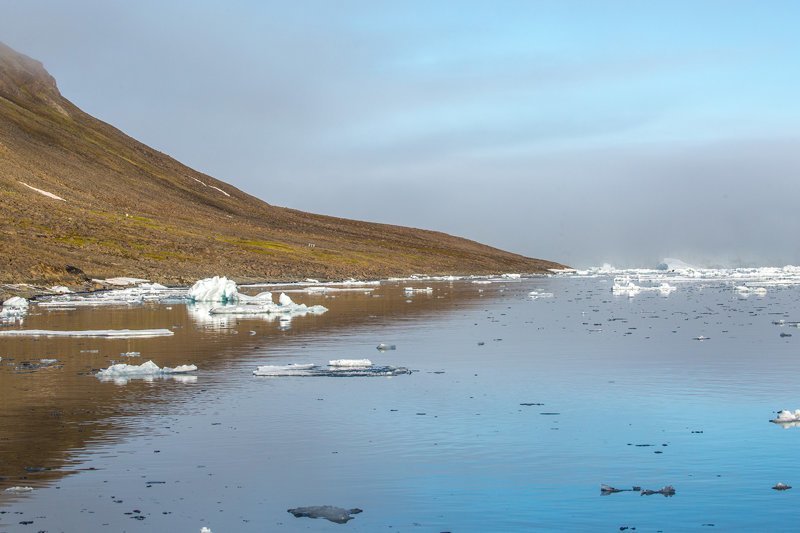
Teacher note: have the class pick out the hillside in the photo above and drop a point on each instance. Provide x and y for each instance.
(80, 199)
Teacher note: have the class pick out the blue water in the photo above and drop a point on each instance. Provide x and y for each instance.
(630, 399)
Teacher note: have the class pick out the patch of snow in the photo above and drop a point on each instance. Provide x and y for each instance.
(45, 193)
(60, 289)
(220, 190)
(511, 276)
(106, 333)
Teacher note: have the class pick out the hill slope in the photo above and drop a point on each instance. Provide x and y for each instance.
(76, 191)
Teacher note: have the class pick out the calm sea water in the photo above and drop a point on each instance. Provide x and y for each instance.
(622, 394)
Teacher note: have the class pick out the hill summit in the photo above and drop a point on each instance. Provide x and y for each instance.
(80, 199)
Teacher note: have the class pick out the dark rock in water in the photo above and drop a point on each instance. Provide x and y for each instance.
(608, 489)
(337, 515)
(529, 404)
(667, 491)
(786, 334)
(782, 486)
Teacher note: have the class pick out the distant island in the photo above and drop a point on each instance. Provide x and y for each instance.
(81, 200)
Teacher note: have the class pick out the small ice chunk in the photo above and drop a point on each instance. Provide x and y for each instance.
(535, 295)
(787, 416)
(283, 370)
(384, 347)
(781, 486)
(123, 281)
(413, 290)
(350, 362)
(284, 300)
(107, 333)
(148, 369)
(205, 529)
(18, 490)
(216, 289)
(337, 515)
(511, 276)
(130, 354)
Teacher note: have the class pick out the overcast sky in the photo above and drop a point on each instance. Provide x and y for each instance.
(583, 132)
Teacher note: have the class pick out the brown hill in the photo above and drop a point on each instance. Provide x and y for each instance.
(75, 191)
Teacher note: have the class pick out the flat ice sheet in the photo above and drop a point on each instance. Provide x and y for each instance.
(105, 333)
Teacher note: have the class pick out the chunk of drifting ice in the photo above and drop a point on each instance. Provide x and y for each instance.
(284, 299)
(787, 416)
(384, 347)
(216, 289)
(283, 370)
(122, 281)
(205, 530)
(107, 333)
(122, 370)
(745, 290)
(535, 295)
(350, 362)
(14, 308)
(258, 298)
(18, 490)
(511, 276)
(337, 515)
(412, 290)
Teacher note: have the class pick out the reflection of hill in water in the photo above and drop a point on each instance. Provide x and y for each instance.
(49, 416)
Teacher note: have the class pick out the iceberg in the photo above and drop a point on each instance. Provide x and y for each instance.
(14, 308)
(624, 286)
(216, 289)
(511, 276)
(535, 295)
(107, 333)
(311, 370)
(18, 490)
(283, 370)
(412, 290)
(263, 305)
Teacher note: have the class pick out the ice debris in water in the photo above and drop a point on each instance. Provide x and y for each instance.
(385, 347)
(511, 276)
(746, 290)
(120, 373)
(413, 290)
(60, 289)
(350, 362)
(535, 295)
(785, 416)
(205, 530)
(216, 289)
(13, 309)
(624, 286)
(312, 370)
(107, 333)
(129, 296)
(781, 486)
(337, 515)
(18, 490)
(263, 305)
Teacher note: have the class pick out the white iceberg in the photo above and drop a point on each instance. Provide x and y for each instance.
(747, 290)
(107, 333)
(511, 276)
(350, 362)
(120, 373)
(414, 290)
(786, 416)
(216, 289)
(624, 286)
(13, 309)
(263, 305)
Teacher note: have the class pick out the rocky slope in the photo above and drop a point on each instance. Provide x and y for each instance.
(80, 199)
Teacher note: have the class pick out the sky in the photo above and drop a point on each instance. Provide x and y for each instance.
(583, 132)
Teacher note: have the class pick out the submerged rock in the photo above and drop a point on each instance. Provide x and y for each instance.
(667, 491)
(337, 515)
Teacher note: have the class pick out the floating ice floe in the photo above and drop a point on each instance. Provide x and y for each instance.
(14, 308)
(123, 281)
(354, 368)
(350, 362)
(337, 515)
(216, 289)
(785, 416)
(265, 306)
(624, 286)
(143, 292)
(120, 373)
(511, 276)
(18, 490)
(385, 347)
(535, 295)
(326, 290)
(107, 333)
(746, 290)
(414, 290)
